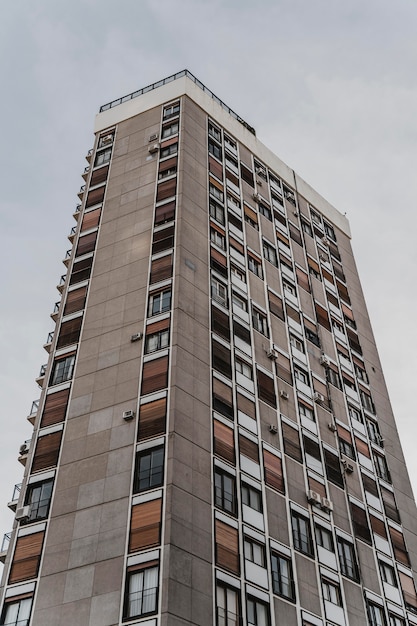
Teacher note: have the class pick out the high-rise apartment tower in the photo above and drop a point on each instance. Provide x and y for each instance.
(213, 443)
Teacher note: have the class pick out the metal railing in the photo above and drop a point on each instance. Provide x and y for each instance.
(35, 406)
(6, 541)
(169, 79)
(16, 492)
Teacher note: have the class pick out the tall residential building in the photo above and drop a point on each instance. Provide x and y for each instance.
(213, 443)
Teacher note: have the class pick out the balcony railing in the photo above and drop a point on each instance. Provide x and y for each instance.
(16, 493)
(33, 411)
(48, 342)
(60, 285)
(169, 79)
(5, 546)
(89, 154)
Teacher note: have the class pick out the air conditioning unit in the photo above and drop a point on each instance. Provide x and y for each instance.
(332, 427)
(273, 429)
(136, 337)
(128, 415)
(324, 360)
(326, 505)
(284, 394)
(313, 497)
(22, 514)
(348, 467)
(318, 397)
(153, 137)
(272, 354)
(106, 140)
(154, 148)
(296, 213)
(24, 449)
(257, 197)
(325, 241)
(260, 171)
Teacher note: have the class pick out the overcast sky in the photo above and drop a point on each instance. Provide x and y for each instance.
(330, 87)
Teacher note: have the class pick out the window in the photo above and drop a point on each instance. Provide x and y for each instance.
(257, 613)
(216, 193)
(367, 401)
(376, 615)
(219, 292)
(227, 606)
(355, 414)
(289, 288)
(142, 592)
(218, 239)
(331, 592)
(381, 467)
(62, 370)
(251, 497)
(324, 538)
(270, 254)
(329, 230)
(346, 552)
(170, 129)
(347, 448)
(282, 578)
(168, 151)
(333, 377)
(394, 620)
(171, 110)
(149, 470)
(305, 411)
(313, 337)
(102, 157)
(374, 434)
(214, 132)
(265, 211)
(224, 491)
(239, 303)
(301, 533)
(254, 552)
(244, 368)
(159, 302)
(255, 266)
(259, 322)
(17, 613)
(387, 574)
(157, 341)
(306, 228)
(296, 343)
(215, 150)
(216, 211)
(38, 498)
(238, 273)
(302, 376)
(164, 172)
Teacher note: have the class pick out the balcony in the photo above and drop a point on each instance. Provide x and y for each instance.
(39, 380)
(86, 172)
(5, 546)
(67, 258)
(77, 212)
(55, 312)
(47, 345)
(15, 498)
(33, 412)
(60, 286)
(80, 194)
(72, 234)
(89, 155)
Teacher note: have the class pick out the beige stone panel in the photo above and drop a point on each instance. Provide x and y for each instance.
(83, 552)
(272, 277)
(194, 338)
(295, 481)
(80, 448)
(65, 501)
(326, 341)
(285, 613)
(298, 254)
(303, 207)
(308, 593)
(105, 609)
(279, 332)
(276, 513)
(354, 603)
(341, 516)
(257, 290)
(266, 228)
(192, 243)
(79, 405)
(353, 482)
(190, 374)
(50, 591)
(306, 303)
(79, 584)
(310, 245)
(317, 291)
(112, 544)
(369, 569)
(252, 238)
(268, 416)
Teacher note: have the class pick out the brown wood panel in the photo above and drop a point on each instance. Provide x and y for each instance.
(145, 525)
(155, 375)
(273, 471)
(227, 547)
(47, 451)
(152, 419)
(26, 557)
(55, 408)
